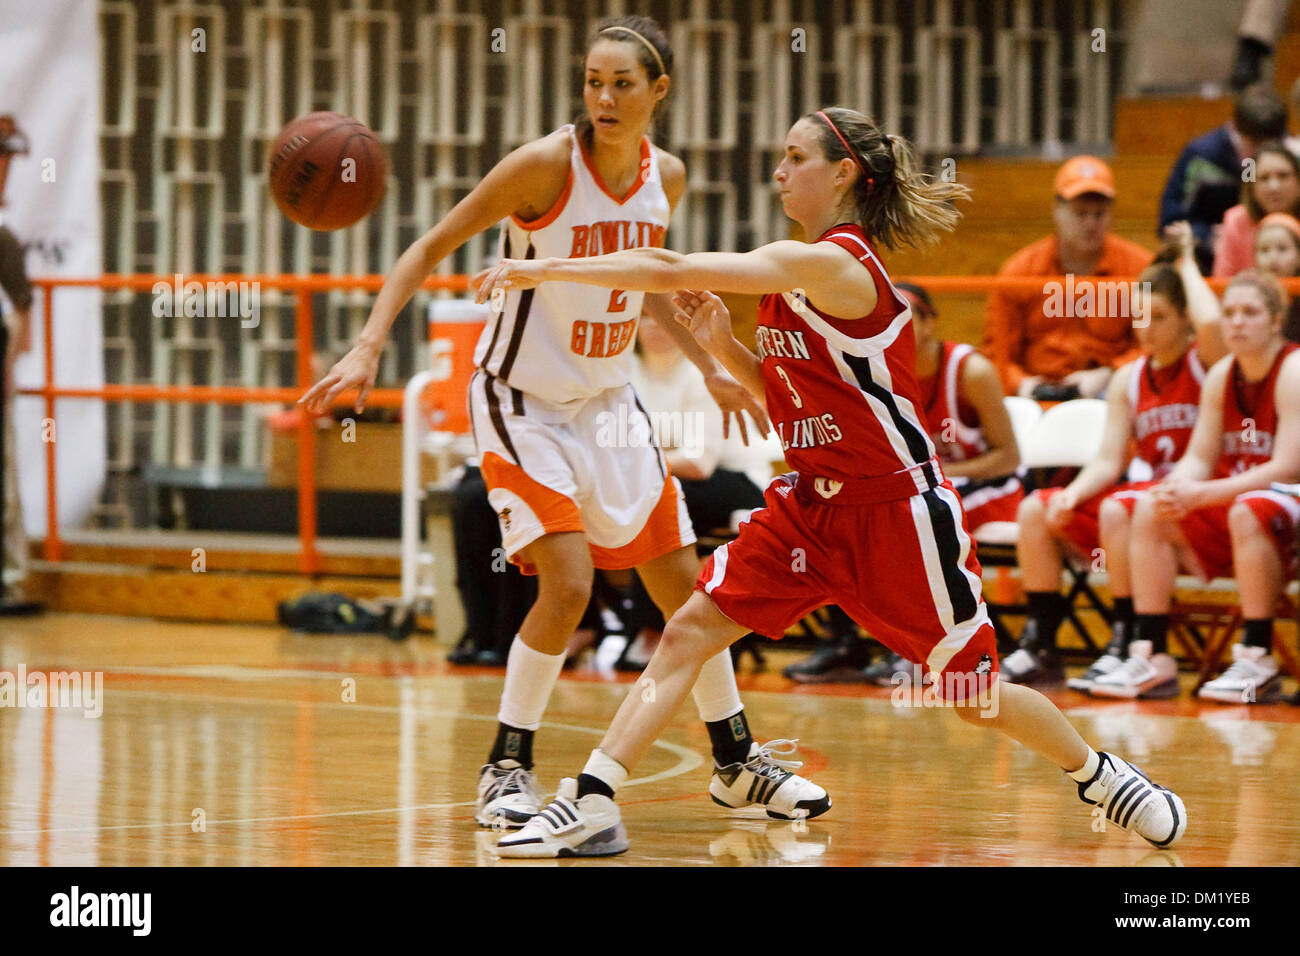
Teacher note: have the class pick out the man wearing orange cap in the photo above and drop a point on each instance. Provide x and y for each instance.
(1049, 342)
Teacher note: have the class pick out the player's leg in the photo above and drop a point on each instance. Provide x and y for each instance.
(1148, 671)
(1038, 553)
(737, 757)
(1254, 675)
(934, 609)
(1126, 795)
(1143, 670)
(583, 819)
(508, 790)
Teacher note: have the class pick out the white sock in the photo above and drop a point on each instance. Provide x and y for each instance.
(715, 691)
(1088, 770)
(606, 769)
(530, 676)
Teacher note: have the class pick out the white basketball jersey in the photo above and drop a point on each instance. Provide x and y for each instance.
(564, 342)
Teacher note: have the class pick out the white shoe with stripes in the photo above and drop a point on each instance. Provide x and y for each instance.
(569, 826)
(767, 780)
(1132, 802)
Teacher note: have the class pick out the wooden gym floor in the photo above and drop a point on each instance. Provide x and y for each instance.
(245, 745)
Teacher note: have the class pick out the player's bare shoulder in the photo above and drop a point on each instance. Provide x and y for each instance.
(673, 173)
(542, 167)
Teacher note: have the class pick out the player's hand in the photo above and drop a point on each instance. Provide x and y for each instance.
(357, 369)
(1176, 497)
(704, 314)
(506, 275)
(1060, 510)
(1091, 382)
(1180, 234)
(734, 399)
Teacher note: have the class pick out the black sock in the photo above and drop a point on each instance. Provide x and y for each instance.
(1047, 610)
(730, 739)
(1153, 628)
(1122, 630)
(589, 784)
(513, 744)
(1259, 633)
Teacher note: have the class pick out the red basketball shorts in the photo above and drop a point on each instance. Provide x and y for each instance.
(905, 570)
(1084, 528)
(1210, 539)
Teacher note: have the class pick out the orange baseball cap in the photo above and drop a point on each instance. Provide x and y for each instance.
(1084, 174)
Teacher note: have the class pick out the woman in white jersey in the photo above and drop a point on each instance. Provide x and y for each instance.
(564, 442)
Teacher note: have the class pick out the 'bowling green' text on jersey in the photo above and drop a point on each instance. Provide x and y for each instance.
(566, 341)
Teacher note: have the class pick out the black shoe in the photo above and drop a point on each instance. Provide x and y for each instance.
(464, 652)
(883, 672)
(490, 657)
(837, 663)
(1032, 663)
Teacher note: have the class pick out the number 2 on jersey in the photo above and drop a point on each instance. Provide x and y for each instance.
(798, 402)
(617, 300)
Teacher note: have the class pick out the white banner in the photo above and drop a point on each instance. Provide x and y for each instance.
(50, 83)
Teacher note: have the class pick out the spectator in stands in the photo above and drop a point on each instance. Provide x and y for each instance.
(1277, 251)
(18, 323)
(1206, 180)
(1215, 511)
(1039, 342)
(1150, 406)
(1276, 188)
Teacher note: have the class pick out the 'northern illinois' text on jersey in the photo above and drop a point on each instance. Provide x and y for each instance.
(1249, 418)
(577, 339)
(1165, 403)
(842, 393)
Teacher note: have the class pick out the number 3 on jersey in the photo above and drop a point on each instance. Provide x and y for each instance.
(798, 402)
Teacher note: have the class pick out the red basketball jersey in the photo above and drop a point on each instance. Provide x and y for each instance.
(953, 425)
(842, 393)
(1164, 403)
(1249, 418)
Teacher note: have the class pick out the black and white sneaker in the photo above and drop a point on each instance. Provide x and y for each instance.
(768, 780)
(1132, 802)
(508, 795)
(569, 826)
(838, 663)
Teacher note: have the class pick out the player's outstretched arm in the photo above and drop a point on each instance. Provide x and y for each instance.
(512, 187)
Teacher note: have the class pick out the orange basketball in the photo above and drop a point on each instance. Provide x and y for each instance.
(327, 171)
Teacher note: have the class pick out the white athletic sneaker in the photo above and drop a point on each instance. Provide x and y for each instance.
(1252, 678)
(569, 826)
(766, 779)
(1144, 675)
(1132, 802)
(1102, 666)
(508, 795)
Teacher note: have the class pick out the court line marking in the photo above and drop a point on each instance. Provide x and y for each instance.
(687, 760)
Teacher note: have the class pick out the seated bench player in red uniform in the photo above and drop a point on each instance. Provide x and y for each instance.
(1150, 410)
(867, 520)
(1214, 512)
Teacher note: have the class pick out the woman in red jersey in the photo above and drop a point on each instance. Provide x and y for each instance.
(866, 520)
(1215, 512)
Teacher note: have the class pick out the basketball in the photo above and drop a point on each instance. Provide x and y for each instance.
(327, 171)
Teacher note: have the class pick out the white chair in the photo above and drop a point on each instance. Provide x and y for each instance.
(1067, 435)
(1025, 414)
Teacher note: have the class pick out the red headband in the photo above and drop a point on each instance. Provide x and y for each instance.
(871, 181)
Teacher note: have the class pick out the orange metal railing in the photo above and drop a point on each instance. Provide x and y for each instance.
(304, 286)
